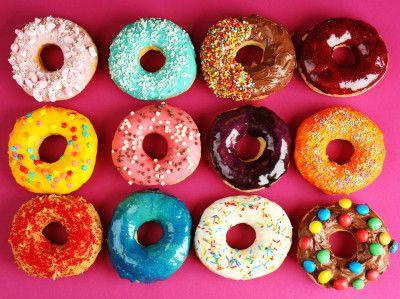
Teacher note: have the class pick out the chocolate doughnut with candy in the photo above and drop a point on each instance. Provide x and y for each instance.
(321, 72)
(370, 259)
(229, 78)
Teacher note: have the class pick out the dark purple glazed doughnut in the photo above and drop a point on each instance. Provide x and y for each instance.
(320, 71)
(273, 158)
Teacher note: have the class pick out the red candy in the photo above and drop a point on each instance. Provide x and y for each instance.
(340, 284)
(372, 275)
(345, 220)
(362, 235)
(64, 125)
(304, 243)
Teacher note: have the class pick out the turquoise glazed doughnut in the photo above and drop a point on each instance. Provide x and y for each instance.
(157, 261)
(132, 42)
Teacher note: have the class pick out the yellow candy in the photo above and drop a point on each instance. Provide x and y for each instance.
(384, 238)
(345, 203)
(315, 227)
(324, 276)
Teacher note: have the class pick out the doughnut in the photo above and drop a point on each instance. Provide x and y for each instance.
(134, 40)
(370, 233)
(158, 261)
(320, 71)
(313, 137)
(180, 133)
(80, 59)
(228, 78)
(73, 168)
(36, 255)
(269, 164)
(273, 237)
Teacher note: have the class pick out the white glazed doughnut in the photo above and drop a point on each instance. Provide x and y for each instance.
(273, 237)
(80, 59)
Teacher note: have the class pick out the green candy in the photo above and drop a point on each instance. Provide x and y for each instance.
(376, 249)
(358, 284)
(323, 256)
(374, 223)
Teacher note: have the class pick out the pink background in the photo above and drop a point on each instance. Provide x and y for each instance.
(106, 105)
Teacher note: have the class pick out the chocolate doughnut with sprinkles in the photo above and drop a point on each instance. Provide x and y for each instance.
(229, 78)
(180, 133)
(370, 233)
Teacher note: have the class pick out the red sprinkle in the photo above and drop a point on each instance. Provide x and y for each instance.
(64, 125)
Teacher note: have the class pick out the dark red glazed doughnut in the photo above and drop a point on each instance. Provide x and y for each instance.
(320, 71)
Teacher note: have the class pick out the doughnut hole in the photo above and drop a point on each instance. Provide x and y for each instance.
(52, 148)
(56, 233)
(149, 233)
(343, 244)
(152, 59)
(250, 148)
(155, 146)
(51, 57)
(240, 236)
(344, 56)
(340, 151)
(250, 53)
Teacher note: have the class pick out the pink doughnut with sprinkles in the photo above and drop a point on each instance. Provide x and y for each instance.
(80, 59)
(181, 134)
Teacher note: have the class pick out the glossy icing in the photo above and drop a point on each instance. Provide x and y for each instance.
(366, 261)
(178, 72)
(315, 62)
(160, 260)
(73, 168)
(80, 59)
(229, 127)
(273, 237)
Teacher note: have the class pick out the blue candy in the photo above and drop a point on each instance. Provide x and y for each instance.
(362, 209)
(394, 247)
(178, 72)
(324, 214)
(157, 261)
(356, 267)
(309, 266)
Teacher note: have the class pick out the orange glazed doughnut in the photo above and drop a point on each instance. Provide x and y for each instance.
(313, 137)
(36, 255)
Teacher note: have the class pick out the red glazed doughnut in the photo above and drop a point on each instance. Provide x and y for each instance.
(36, 255)
(180, 133)
(320, 71)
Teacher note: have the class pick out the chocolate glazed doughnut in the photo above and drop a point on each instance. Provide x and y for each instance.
(273, 158)
(370, 259)
(230, 79)
(320, 71)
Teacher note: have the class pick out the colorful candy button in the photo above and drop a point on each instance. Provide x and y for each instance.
(340, 284)
(304, 243)
(372, 275)
(356, 267)
(374, 223)
(324, 214)
(315, 227)
(376, 249)
(362, 235)
(394, 247)
(384, 238)
(345, 220)
(345, 203)
(324, 276)
(362, 209)
(309, 266)
(323, 256)
(358, 284)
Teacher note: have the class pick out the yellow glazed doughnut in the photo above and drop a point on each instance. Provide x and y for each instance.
(73, 168)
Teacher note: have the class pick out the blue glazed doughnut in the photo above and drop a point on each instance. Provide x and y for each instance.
(134, 40)
(157, 261)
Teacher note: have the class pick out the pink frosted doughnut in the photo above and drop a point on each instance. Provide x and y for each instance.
(80, 59)
(181, 134)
